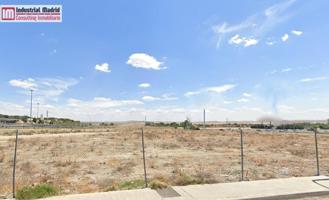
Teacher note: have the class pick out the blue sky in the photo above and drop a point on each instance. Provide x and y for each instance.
(122, 60)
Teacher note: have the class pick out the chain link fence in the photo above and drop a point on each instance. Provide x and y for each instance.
(105, 159)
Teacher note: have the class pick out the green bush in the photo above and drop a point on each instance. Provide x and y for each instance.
(321, 126)
(128, 185)
(261, 126)
(182, 178)
(293, 126)
(35, 192)
(187, 124)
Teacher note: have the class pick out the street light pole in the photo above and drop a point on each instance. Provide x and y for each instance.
(31, 105)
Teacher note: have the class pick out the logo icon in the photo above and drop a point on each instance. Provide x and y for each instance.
(8, 13)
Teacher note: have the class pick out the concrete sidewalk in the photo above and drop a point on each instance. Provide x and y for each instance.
(289, 188)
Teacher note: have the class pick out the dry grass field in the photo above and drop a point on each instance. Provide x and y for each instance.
(100, 159)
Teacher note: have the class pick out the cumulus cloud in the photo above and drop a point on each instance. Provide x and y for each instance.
(223, 29)
(145, 61)
(298, 33)
(24, 84)
(285, 37)
(216, 89)
(144, 85)
(246, 42)
(103, 67)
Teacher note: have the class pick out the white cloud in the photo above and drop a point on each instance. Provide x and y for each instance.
(243, 100)
(285, 37)
(87, 111)
(221, 89)
(142, 60)
(25, 84)
(192, 93)
(314, 79)
(223, 29)
(246, 42)
(9, 108)
(246, 95)
(285, 108)
(256, 25)
(227, 102)
(286, 70)
(216, 89)
(270, 43)
(103, 67)
(276, 9)
(44, 87)
(144, 85)
(102, 102)
(298, 33)
(150, 98)
(164, 97)
(168, 97)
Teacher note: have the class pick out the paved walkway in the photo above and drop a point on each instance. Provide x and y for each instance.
(289, 188)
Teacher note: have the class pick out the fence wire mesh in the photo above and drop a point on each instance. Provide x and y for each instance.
(102, 159)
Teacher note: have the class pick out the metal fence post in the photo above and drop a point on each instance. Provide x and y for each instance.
(317, 152)
(143, 146)
(14, 166)
(241, 148)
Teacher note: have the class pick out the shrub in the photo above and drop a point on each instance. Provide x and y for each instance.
(35, 192)
(187, 124)
(293, 126)
(183, 178)
(158, 184)
(128, 185)
(261, 126)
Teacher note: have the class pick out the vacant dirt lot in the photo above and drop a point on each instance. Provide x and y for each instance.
(90, 160)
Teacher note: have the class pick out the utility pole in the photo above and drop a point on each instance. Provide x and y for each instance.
(14, 166)
(31, 105)
(316, 152)
(143, 146)
(38, 110)
(241, 149)
(204, 118)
